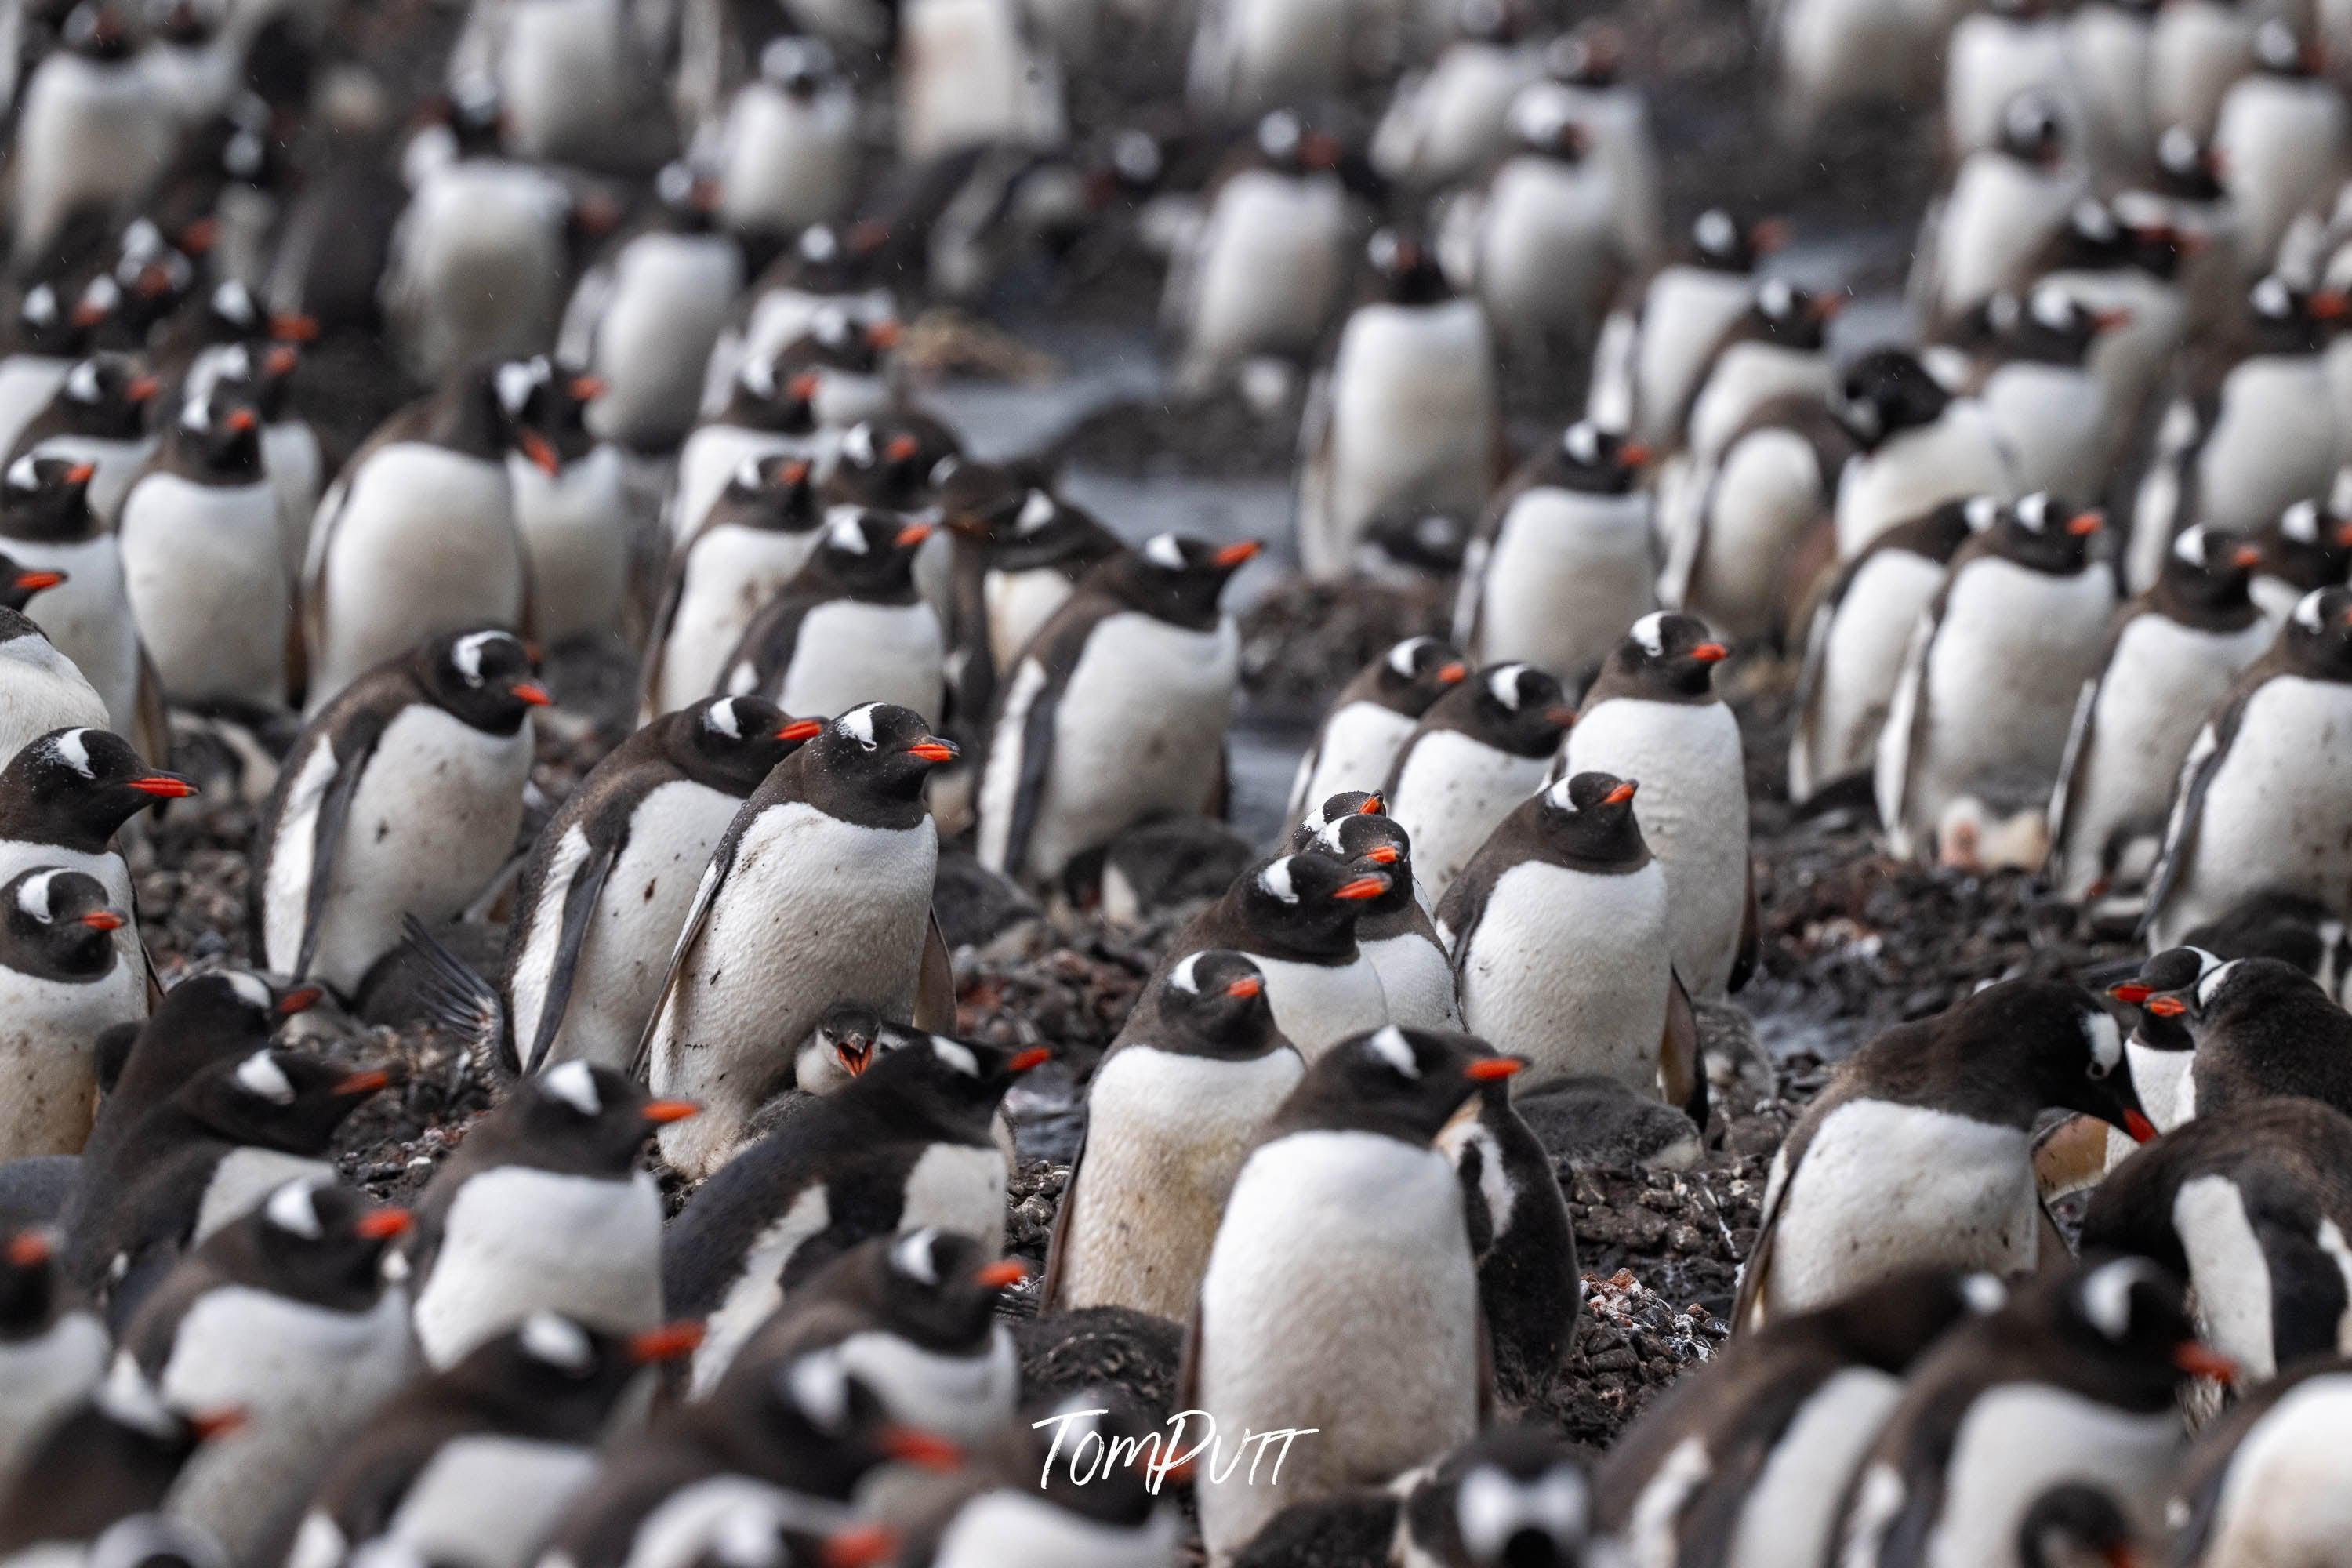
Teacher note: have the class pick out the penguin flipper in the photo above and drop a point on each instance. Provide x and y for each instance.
(1036, 772)
(334, 812)
(1750, 950)
(151, 726)
(2070, 773)
(935, 987)
(459, 1000)
(2308, 1295)
(113, 1050)
(580, 902)
(689, 936)
(1747, 1303)
(1049, 1294)
(2206, 755)
(1682, 1061)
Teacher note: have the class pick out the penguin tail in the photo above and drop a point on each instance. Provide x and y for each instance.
(457, 1000)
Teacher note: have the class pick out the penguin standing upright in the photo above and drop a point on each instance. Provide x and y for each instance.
(763, 411)
(53, 1349)
(204, 561)
(1408, 414)
(48, 527)
(1117, 711)
(1977, 732)
(400, 799)
(581, 526)
(2311, 548)
(64, 985)
(1529, 1290)
(758, 534)
(90, 131)
(416, 537)
(1451, 120)
(1002, 85)
(2282, 140)
(63, 799)
(1016, 553)
(1550, 251)
(1563, 946)
(2044, 398)
(819, 893)
(543, 1209)
(1948, 1104)
(2006, 202)
(99, 417)
(1393, 1285)
(2174, 656)
(848, 627)
(2261, 803)
(1372, 719)
(1477, 752)
(1566, 558)
(1921, 445)
(788, 151)
(1655, 351)
(1203, 1038)
(50, 333)
(1405, 947)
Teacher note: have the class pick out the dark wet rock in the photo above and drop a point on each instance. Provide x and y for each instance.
(1631, 1344)
(1226, 436)
(1068, 985)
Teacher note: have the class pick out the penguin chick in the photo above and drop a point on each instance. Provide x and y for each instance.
(1477, 752)
(63, 984)
(1528, 1286)
(1371, 719)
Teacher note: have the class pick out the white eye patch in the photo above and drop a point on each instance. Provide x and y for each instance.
(912, 1256)
(1185, 976)
(556, 1340)
(1276, 881)
(858, 724)
(292, 1209)
(1162, 551)
(34, 895)
(1650, 632)
(261, 1076)
(1390, 1046)
(574, 1084)
(955, 1055)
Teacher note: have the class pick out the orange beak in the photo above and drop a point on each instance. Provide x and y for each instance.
(803, 387)
(241, 420)
(801, 729)
(383, 1225)
(105, 920)
(854, 1059)
(587, 388)
(1373, 806)
(909, 1446)
(1453, 674)
(902, 449)
(1029, 1060)
(884, 335)
(1710, 652)
(280, 360)
(2130, 991)
(2199, 1360)
(1632, 455)
(213, 1423)
(662, 1112)
(671, 1342)
(1001, 1276)
(1234, 556)
(1247, 985)
(913, 535)
(301, 999)
(28, 1249)
(81, 473)
(34, 582)
(2245, 558)
(2167, 1006)
(1621, 794)
(2141, 1129)
(2328, 306)
(353, 1085)
(933, 749)
(1561, 718)
(1768, 235)
(861, 1546)
(1370, 886)
(142, 388)
(164, 786)
(2083, 524)
(534, 447)
(2344, 536)
(294, 329)
(1492, 1070)
(531, 694)
(1383, 854)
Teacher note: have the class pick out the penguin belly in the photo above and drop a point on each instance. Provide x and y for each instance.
(1885, 1188)
(1449, 795)
(1744, 379)
(1269, 272)
(1416, 981)
(49, 1060)
(2001, 212)
(485, 1500)
(566, 76)
(424, 543)
(88, 136)
(44, 1376)
(1988, 60)
(1957, 456)
(670, 296)
(577, 537)
(785, 165)
(1139, 732)
(477, 266)
(967, 77)
(1456, 120)
(1838, 52)
(2229, 1272)
(731, 574)
(2273, 443)
(814, 910)
(1792, 1507)
(2196, 54)
(431, 821)
(1356, 750)
(1572, 970)
(2282, 146)
(1684, 316)
(518, 1241)
(204, 567)
(1018, 604)
(87, 618)
(28, 381)
(1567, 575)
(625, 955)
(1166, 1136)
(2002, 1458)
(2053, 422)
(2281, 1501)
(1760, 504)
(297, 469)
(850, 653)
(1694, 812)
(1317, 1006)
(1252, 55)
(1547, 251)
(1283, 1346)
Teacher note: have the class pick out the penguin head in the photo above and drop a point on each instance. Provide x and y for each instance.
(2044, 532)
(473, 116)
(1667, 653)
(485, 678)
(2032, 130)
(182, 22)
(881, 749)
(1373, 842)
(2284, 319)
(2223, 993)
(850, 341)
(731, 744)
(2131, 1317)
(1887, 1324)
(798, 67)
(1214, 1004)
(260, 374)
(2164, 993)
(2210, 569)
(31, 1289)
(1512, 1497)
(889, 463)
(49, 325)
(1404, 1083)
(990, 502)
(2312, 547)
(2077, 1525)
(64, 916)
(154, 275)
(1884, 393)
(122, 1446)
(937, 1288)
(47, 499)
(18, 584)
(965, 1080)
(2073, 1049)
(2318, 635)
(1545, 121)
(776, 393)
(1405, 269)
(1512, 707)
(542, 410)
(81, 785)
(1417, 540)
(1347, 803)
(2279, 51)
(288, 1100)
(234, 1006)
(1128, 166)
(1286, 143)
(598, 1119)
(1591, 816)
(814, 1407)
(1591, 460)
(2187, 168)
(1721, 243)
(1176, 577)
(1590, 56)
(220, 431)
(774, 493)
(870, 553)
(106, 396)
(1311, 893)
(317, 1240)
(98, 30)
(1781, 313)
(2050, 326)
(561, 1374)
(689, 200)
(246, 149)
(1417, 671)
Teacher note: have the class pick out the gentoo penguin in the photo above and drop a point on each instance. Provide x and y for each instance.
(2258, 1027)
(1529, 1290)
(2196, 52)
(62, 800)
(788, 151)
(763, 411)
(1948, 1103)
(227, 1139)
(912, 1316)
(1563, 946)
(99, 417)
(1115, 711)
(2171, 658)
(1268, 267)
(2011, 47)
(758, 534)
(2138, 268)
(1392, 930)
(49, 334)
(609, 879)
(2109, 41)
(975, 73)
(1654, 714)
(416, 537)
(888, 457)
(1295, 917)
(832, 273)
(1372, 719)
(45, 690)
(2076, 1378)
(2046, 401)
(2261, 803)
(543, 1207)
(2006, 202)
(909, 1142)
(108, 1461)
(848, 627)
(203, 563)
(1033, 1501)
(1251, 56)
(2248, 1209)
(1477, 752)
(1858, 633)
(643, 320)
(1409, 415)
(1656, 350)
(1743, 1465)
(1016, 553)
(472, 1465)
(1449, 122)
(1550, 250)
(1977, 734)
(303, 1274)
(90, 131)
(2282, 140)
(827, 871)
(1146, 1187)
(2311, 548)
(578, 518)
(1565, 559)
(2247, 1492)
(47, 526)
(1394, 1286)
(1921, 445)
(53, 1349)
(401, 798)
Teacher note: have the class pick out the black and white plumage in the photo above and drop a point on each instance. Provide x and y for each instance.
(63, 984)
(759, 530)
(1372, 718)
(848, 627)
(2245, 1493)
(49, 529)
(53, 1348)
(1477, 752)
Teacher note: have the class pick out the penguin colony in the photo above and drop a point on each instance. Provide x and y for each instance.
(2054, 581)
